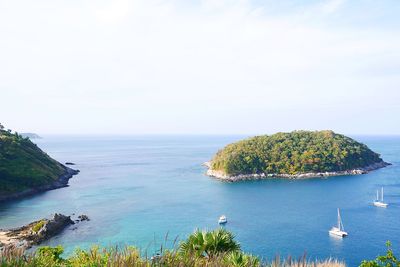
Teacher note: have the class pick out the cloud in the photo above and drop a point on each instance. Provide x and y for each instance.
(168, 66)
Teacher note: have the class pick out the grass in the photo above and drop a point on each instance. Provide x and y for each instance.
(130, 256)
(38, 226)
(204, 254)
(202, 248)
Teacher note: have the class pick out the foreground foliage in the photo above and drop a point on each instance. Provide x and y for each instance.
(388, 260)
(202, 248)
(209, 244)
(294, 153)
(23, 165)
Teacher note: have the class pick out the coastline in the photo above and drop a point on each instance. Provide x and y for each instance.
(36, 232)
(62, 181)
(261, 176)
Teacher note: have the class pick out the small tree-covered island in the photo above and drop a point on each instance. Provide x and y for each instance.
(25, 169)
(294, 155)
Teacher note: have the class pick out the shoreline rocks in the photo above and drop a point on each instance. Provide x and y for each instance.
(35, 232)
(82, 218)
(260, 176)
(62, 181)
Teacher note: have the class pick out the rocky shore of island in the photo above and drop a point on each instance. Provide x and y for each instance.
(260, 176)
(62, 181)
(36, 232)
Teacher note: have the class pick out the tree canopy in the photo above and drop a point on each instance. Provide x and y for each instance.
(23, 165)
(294, 153)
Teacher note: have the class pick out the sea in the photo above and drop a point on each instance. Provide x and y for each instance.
(152, 191)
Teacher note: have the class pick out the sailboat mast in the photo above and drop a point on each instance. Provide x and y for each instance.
(338, 219)
(382, 194)
(377, 195)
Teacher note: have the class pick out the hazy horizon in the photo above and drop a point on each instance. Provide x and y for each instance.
(219, 67)
(134, 135)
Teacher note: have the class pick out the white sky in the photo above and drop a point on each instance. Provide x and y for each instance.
(199, 67)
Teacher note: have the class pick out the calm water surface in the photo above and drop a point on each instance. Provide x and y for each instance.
(138, 189)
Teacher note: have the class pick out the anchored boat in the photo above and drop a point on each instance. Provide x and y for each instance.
(339, 229)
(222, 220)
(380, 203)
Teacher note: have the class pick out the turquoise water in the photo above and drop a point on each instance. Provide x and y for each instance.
(136, 190)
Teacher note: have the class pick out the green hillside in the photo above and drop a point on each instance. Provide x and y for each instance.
(294, 153)
(24, 166)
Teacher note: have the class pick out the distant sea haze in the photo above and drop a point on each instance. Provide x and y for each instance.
(138, 189)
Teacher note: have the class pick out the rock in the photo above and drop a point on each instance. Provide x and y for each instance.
(257, 176)
(37, 232)
(207, 164)
(83, 217)
(69, 163)
(51, 228)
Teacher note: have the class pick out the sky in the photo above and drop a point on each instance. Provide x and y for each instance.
(199, 67)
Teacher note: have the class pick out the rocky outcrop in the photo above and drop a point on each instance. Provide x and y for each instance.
(258, 176)
(83, 217)
(62, 181)
(49, 228)
(36, 232)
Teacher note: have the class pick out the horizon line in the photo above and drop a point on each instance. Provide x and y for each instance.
(196, 134)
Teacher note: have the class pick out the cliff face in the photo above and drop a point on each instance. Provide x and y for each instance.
(299, 154)
(25, 169)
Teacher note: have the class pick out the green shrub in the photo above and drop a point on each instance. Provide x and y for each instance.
(388, 260)
(209, 243)
(202, 248)
(38, 226)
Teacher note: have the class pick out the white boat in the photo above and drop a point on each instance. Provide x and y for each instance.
(339, 229)
(380, 203)
(222, 219)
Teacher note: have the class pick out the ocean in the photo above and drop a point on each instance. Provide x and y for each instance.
(149, 191)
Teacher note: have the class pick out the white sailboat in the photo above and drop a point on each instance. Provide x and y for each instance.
(339, 229)
(380, 203)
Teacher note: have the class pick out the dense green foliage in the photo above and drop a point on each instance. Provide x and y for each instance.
(203, 248)
(23, 165)
(209, 244)
(294, 153)
(388, 260)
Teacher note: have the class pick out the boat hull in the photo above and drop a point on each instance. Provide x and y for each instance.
(338, 233)
(380, 204)
(335, 231)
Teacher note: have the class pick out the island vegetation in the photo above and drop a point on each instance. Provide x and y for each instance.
(293, 154)
(26, 169)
